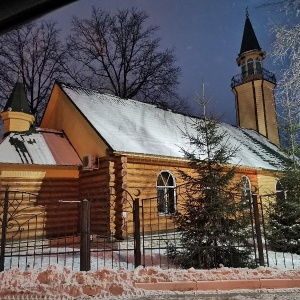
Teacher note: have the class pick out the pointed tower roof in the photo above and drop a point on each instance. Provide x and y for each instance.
(249, 41)
(17, 100)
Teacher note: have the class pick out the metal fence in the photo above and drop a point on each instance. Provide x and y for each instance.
(162, 235)
(29, 238)
(32, 236)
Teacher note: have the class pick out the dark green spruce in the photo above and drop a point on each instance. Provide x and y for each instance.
(213, 222)
(284, 212)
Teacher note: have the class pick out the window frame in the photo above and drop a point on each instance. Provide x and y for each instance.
(281, 193)
(258, 66)
(246, 191)
(166, 194)
(243, 68)
(250, 66)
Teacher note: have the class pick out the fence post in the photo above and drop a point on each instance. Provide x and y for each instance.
(85, 232)
(3, 230)
(137, 233)
(258, 231)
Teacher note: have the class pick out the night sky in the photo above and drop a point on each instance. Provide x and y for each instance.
(206, 35)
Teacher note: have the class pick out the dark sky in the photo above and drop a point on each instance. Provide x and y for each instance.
(206, 35)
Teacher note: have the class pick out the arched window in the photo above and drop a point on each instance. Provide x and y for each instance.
(246, 190)
(166, 197)
(250, 66)
(258, 66)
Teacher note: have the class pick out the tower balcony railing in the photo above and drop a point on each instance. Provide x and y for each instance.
(255, 75)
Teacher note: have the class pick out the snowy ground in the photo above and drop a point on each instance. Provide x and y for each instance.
(62, 283)
(103, 282)
(119, 259)
(58, 282)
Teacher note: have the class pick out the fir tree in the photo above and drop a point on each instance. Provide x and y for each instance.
(212, 223)
(284, 218)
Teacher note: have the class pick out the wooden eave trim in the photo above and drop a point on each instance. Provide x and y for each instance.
(149, 158)
(146, 158)
(269, 172)
(55, 83)
(34, 167)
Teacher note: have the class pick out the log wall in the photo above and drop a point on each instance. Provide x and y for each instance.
(111, 189)
(140, 176)
(43, 215)
(141, 180)
(95, 186)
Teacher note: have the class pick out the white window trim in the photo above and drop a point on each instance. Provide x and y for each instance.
(165, 188)
(244, 190)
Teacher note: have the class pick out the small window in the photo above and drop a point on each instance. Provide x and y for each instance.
(166, 197)
(280, 192)
(244, 72)
(246, 190)
(258, 66)
(250, 66)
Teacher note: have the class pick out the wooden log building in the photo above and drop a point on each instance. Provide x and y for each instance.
(97, 146)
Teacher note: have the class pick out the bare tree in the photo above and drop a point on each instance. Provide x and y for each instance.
(120, 55)
(34, 54)
(282, 5)
(283, 224)
(286, 51)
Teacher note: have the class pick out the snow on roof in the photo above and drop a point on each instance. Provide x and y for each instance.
(136, 127)
(37, 147)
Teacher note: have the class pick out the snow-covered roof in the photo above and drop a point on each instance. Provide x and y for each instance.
(136, 127)
(39, 146)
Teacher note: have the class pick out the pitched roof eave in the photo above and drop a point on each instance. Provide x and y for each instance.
(83, 115)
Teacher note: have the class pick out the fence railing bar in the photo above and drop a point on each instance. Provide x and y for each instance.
(258, 231)
(3, 230)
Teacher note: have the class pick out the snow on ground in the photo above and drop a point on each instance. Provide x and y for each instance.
(121, 259)
(107, 283)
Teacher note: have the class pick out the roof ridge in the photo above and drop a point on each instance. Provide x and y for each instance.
(72, 86)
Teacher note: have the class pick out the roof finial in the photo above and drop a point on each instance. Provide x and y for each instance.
(247, 13)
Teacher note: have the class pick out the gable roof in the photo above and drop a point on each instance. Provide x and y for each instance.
(131, 126)
(41, 147)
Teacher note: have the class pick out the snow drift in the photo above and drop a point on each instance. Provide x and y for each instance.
(67, 284)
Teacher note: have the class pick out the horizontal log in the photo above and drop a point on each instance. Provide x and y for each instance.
(156, 161)
(95, 178)
(95, 189)
(34, 182)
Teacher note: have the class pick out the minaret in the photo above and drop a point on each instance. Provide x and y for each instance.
(16, 115)
(254, 88)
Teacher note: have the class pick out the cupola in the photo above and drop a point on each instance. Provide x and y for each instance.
(16, 115)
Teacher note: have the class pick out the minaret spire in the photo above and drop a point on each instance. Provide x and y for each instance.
(254, 88)
(249, 41)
